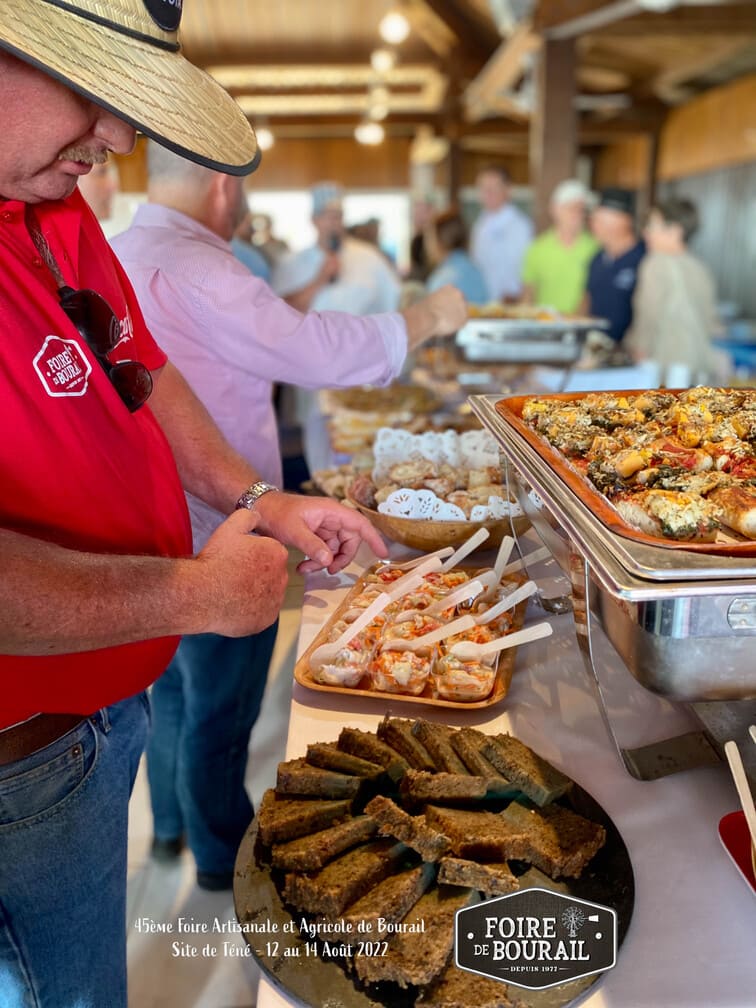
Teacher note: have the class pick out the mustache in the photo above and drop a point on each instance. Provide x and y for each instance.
(84, 154)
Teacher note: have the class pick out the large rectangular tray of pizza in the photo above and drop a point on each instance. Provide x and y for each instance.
(665, 468)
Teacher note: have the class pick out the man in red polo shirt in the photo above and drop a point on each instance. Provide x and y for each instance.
(98, 579)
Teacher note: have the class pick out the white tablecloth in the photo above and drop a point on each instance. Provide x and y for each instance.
(692, 939)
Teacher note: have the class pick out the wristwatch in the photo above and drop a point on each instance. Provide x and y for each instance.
(252, 494)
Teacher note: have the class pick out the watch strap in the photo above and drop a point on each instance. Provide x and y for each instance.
(253, 494)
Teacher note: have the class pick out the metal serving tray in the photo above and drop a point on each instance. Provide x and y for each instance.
(682, 622)
(524, 341)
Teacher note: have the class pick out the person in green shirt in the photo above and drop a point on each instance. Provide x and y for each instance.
(555, 269)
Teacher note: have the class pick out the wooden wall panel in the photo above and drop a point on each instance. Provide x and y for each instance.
(623, 164)
(726, 238)
(516, 164)
(298, 164)
(712, 131)
(132, 168)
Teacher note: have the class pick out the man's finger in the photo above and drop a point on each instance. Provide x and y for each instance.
(242, 521)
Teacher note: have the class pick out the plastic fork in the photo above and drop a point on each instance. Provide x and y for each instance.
(469, 651)
(325, 653)
(508, 602)
(456, 626)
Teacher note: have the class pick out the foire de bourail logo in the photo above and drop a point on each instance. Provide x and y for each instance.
(62, 367)
(536, 938)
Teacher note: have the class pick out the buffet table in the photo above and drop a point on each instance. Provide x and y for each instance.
(692, 936)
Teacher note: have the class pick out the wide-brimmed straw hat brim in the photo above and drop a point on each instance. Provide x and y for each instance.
(157, 91)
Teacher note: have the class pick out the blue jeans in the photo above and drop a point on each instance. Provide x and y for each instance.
(203, 709)
(63, 838)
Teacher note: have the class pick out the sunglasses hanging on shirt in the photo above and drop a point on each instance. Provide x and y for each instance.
(98, 325)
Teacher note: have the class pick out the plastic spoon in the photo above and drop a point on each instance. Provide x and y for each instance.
(327, 652)
(456, 626)
(468, 651)
(469, 590)
(540, 554)
(429, 564)
(466, 591)
(442, 553)
(501, 561)
(508, 602)
(467, 547)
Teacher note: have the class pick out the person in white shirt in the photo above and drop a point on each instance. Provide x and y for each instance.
(500, 235)
(338, 273)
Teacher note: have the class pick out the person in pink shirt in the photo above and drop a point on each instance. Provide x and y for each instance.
(233, 338)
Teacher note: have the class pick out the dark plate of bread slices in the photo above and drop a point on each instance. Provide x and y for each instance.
(349, 878)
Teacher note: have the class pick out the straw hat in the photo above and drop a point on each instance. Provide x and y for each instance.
(125, 56)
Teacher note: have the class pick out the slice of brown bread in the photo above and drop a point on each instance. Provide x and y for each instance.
(413, 830)
(458, 988)
(455, 789)
(368, 747)
(468, 748)
(298, 777)
(560, 841)
(420, 950)
(478, 836)
(490, 879)
(280, 819)
(331, 889)
(330, 757)
(417, 787)
(388, 902)
(397, 732)
(308, 853)
(435, 738)
(535, 777)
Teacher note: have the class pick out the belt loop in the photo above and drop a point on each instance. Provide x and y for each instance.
(104, 720)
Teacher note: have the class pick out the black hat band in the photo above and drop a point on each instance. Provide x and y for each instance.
(115, 26)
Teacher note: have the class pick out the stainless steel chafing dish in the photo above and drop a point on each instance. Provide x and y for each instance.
(682, 622)
(525, 341)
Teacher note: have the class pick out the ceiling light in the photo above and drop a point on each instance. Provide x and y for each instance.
(380, 95)
(394, 28)
(378, 111)
(370, 133)
(383, 60)
(265, 138)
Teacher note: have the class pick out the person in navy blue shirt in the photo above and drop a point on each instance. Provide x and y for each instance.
(613, 271)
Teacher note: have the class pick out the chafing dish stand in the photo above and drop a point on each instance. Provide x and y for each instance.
(682, 623)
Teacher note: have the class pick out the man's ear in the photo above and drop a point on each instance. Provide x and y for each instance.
(223, 203)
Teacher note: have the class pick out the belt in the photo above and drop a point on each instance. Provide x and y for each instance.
(34, 734)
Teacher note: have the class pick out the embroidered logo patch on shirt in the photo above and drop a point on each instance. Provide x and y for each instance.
(62, 367)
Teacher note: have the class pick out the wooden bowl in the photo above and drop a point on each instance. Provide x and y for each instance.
(428, 535)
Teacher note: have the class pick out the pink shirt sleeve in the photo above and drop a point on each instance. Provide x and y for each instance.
(258, 333)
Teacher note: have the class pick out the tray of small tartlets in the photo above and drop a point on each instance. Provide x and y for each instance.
(440, 637)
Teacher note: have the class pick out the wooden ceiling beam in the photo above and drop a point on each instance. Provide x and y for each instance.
(566, 18)
(669, 85)
(713, 19)
(469, 34)
(428, 26)
(500, 73)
